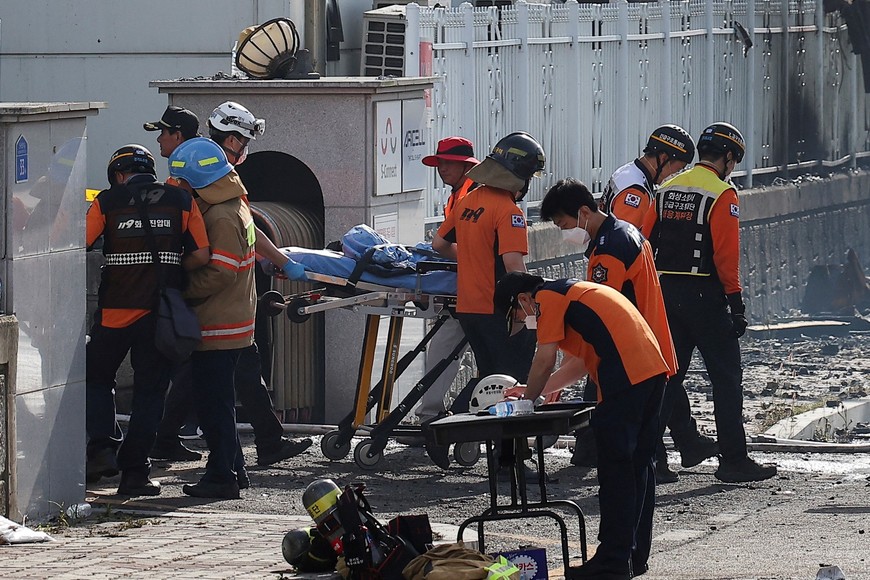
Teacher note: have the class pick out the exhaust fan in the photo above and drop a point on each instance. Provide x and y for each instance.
(271, 51)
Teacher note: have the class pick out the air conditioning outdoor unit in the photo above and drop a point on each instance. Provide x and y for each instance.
(383, 45)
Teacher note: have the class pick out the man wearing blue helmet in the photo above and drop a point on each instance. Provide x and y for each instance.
(232, 127)
(223, 295)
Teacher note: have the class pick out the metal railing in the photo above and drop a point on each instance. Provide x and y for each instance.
(591, 81)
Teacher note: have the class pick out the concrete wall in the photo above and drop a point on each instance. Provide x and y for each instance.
(787, 230)
(8, 359)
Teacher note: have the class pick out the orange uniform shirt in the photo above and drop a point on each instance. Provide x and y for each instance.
(725, 231)
(621, 258)
(457, 195)
(485, 225)
(600, 326)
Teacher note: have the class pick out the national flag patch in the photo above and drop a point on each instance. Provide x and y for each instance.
(518, 221)
(599, 274)
(735, 210)
(632, 199)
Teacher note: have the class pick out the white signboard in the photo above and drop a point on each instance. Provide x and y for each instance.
(414, 146)
(387, 224)
(388, 144)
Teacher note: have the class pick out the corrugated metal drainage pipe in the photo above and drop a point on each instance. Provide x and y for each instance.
(292, 354)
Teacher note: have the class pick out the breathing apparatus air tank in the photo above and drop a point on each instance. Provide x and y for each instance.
(308, 551)
(321, 501)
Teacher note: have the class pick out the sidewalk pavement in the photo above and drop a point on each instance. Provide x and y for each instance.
(182, 543)
(788, 540)
(783, 529)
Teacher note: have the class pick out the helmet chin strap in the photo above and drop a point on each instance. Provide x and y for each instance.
(523, 191)
(659, 168)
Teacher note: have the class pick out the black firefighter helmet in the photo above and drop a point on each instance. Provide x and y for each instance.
(721, 138)
(130, 159)
(672, 140)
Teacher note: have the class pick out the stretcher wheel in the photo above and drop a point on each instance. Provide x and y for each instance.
(330, 448)
(293, 310)
(272, 303)
(466, 453)
(361, 457)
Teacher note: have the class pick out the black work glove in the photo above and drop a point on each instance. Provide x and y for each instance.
(738, 314)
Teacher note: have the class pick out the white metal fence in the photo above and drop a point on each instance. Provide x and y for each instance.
(591, 81)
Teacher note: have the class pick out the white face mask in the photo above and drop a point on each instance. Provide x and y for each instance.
(243, 156)
(578, 236)
(531, 321)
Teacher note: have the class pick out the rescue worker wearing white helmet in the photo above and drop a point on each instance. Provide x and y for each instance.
(232, 126)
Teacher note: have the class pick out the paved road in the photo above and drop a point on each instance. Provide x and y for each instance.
(814, 513)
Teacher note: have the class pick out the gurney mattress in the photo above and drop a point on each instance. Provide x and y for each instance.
(330, 263)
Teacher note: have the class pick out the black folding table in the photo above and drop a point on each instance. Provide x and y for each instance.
(547, 420)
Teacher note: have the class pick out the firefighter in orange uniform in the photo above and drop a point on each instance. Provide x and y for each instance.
(621, 258)
(600, 333)
(486, 235)
(695, 230)
(124, 321)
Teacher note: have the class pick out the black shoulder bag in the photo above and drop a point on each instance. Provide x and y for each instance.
(176, 331)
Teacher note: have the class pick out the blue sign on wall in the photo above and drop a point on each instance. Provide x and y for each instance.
(21, 159)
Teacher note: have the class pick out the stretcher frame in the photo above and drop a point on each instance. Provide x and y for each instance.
(375, 301)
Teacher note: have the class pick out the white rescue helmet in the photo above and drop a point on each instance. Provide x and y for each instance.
(233, 117)
(489, 391)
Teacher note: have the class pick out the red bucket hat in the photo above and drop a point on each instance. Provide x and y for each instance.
(452, 149)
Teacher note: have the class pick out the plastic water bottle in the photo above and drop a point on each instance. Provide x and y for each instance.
(513, 408)
(79, 511)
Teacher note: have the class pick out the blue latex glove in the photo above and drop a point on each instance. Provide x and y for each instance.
(294, 270)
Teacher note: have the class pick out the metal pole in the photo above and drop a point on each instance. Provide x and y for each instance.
(784, 71)
(315, 33)
(709, 68)
(574, 122)
(751, 130)
(667, 109)
(625, 152)
(820, 80)
(467, 124)
(412, 40)
(522, 112)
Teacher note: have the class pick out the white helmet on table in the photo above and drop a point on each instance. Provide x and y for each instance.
(489, 391)
(233, 117)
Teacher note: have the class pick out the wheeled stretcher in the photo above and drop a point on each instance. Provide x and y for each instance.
(428, 292)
